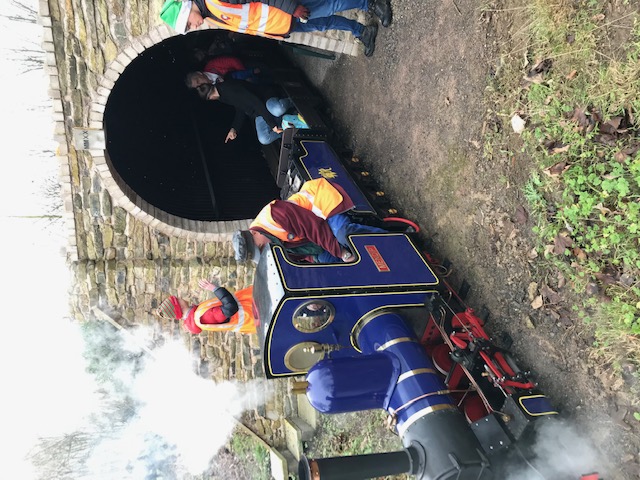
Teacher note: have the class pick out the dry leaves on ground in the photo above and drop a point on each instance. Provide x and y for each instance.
(561, 243)
(556, 169)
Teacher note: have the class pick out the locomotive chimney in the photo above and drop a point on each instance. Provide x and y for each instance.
(358, 467)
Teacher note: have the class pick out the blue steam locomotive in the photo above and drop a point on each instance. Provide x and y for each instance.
(388, 332)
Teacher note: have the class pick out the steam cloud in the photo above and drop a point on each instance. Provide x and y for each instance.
(114, 410)
(561, 453)
(177, 420)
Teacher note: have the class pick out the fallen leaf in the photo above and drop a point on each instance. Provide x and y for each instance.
(626, 152)
(620, 157)
(632, 120)
(611, 126)
(561, 243)
(521, 215)
(554, 314)
(517, 123)
(606, 139)
(536, 73)
(562, 149)
(557, 169)
(532, 290)
(542, 66)
(561, 280)
(580, 117)
(537, 302)
(537, 78)
(550, 295)
(579, 253)
(572, 75)
(533, 254)
(603, 210)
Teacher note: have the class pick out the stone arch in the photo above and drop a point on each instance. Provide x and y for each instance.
(91, 116)
(120, 192)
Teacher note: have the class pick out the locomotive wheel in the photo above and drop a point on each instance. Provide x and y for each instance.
(474, 408)
(441, 358)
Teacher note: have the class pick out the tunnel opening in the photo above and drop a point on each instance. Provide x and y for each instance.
(168, 146)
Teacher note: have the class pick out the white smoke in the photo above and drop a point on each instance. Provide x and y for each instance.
(147, 415)
(180, 419)
(46, 391)
(561, 452)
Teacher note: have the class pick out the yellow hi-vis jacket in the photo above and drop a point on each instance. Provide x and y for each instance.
(243, 321)
(318, 196)
(254, 18)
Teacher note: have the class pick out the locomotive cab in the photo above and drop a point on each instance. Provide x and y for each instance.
(307, 311)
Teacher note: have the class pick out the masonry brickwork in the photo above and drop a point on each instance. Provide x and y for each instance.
(125, 255)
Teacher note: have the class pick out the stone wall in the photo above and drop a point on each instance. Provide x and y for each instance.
(125, 255)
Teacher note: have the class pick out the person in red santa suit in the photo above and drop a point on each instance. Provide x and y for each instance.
(231, 312)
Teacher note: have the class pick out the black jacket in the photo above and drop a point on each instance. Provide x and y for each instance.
(229, 305)
(247, 99)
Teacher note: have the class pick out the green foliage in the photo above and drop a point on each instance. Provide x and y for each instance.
(356, 433)
(247, 451)
(586, 181)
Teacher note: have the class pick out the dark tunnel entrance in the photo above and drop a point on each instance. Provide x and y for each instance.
(168, 146)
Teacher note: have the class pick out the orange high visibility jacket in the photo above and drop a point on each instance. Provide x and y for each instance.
(254, 18)
(242, 321)
(318, 196)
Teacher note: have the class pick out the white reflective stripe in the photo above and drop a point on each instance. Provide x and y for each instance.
(314, 209)
(242, 12)
(318, 212)
(262, 218)
(241, 315)
(264, 18)
(307, 195)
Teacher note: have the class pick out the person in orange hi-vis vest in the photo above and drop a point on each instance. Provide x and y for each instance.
(228, 312)
(277, 18)
(310, 225)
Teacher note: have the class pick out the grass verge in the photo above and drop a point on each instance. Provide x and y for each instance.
(570, 81)
(357, 433)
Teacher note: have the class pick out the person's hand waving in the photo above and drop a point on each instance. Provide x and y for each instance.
(206, 285)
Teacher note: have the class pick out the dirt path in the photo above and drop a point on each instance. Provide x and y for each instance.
(416, 113)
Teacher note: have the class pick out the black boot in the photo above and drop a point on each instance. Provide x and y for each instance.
(382, 10)
(368, 39)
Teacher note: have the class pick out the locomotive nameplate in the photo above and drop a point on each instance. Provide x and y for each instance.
(378, 261)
